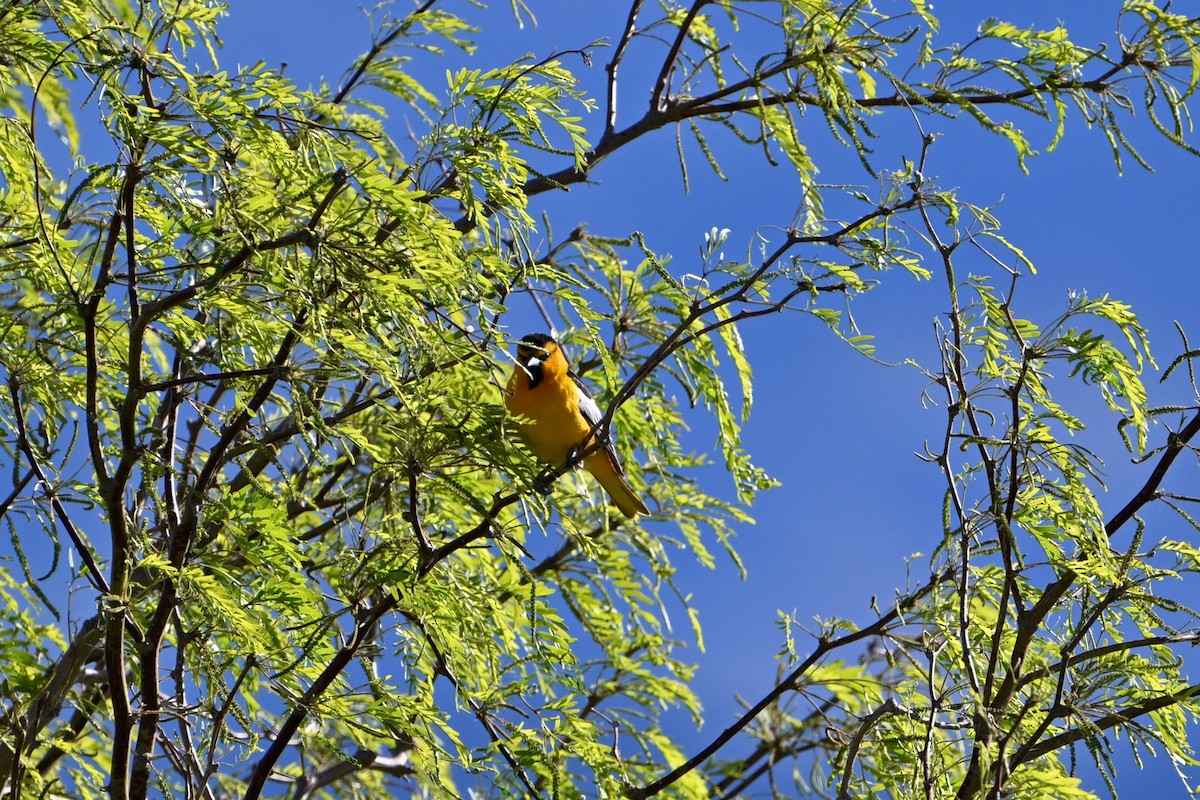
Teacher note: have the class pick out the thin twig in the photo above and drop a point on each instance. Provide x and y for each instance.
(888, 707)
(610, 118)
(790, 682)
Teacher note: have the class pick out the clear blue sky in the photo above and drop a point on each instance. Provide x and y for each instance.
(838, 430)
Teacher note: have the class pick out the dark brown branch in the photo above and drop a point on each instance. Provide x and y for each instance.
(133, 175)
(660, 115)
(1147, 493)
(398, 765)
(610, 118)
(682, 335)
(364, 631)
(222, 713)
(47, 703)
(481, 530)
(1030, 621)
(18, 487)
(888, 707)
(25, 447)
(664, 75)
(1033, 750)
(790, 682)
(153, 310)
(478, 711)
(1100, 652)
(257, 372)
(184, 535)
(194, 774)
(377, 49)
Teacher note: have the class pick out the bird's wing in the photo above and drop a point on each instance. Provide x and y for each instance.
(592, 414)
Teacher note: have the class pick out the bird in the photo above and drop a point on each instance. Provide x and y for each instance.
(561, 413)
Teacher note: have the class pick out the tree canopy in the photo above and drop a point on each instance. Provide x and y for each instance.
(272, 532)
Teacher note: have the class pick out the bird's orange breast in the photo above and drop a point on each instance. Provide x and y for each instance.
(556, 426)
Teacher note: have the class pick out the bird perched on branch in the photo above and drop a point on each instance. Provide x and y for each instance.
(561, 413)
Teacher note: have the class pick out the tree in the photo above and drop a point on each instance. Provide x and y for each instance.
(254, 358)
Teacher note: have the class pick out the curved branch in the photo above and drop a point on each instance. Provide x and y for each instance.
(889, 706)
(790, 682)
(363, 633)
(377, 49)
(664, 75)
(1032, 751)
(397, 764)
(610, 118)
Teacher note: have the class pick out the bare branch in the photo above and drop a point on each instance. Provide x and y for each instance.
(792, 681)
(610, 118)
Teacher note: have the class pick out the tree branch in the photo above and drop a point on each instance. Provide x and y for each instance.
(1035, 750)
(610, 118)
(364, 631)
(790, 682)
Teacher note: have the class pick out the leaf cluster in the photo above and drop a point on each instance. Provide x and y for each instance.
(253, 356)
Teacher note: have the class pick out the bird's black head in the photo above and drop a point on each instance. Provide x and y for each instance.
(536, 339)
(532, 351)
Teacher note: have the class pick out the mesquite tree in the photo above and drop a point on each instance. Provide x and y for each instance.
(270, 531)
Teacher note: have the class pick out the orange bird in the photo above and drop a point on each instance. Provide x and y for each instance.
(544, 390)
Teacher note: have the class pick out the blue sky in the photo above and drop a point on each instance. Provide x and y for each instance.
(838, 430)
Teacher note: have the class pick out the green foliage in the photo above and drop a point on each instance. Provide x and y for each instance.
(254, 350)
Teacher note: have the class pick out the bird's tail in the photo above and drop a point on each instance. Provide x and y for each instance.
(603, 469)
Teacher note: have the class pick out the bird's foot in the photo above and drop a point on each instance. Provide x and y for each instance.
(544, 482)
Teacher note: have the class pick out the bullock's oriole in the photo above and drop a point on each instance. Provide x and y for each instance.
(544, 390)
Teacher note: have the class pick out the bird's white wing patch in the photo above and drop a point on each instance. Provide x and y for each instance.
(587, 406)
(592, 413)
